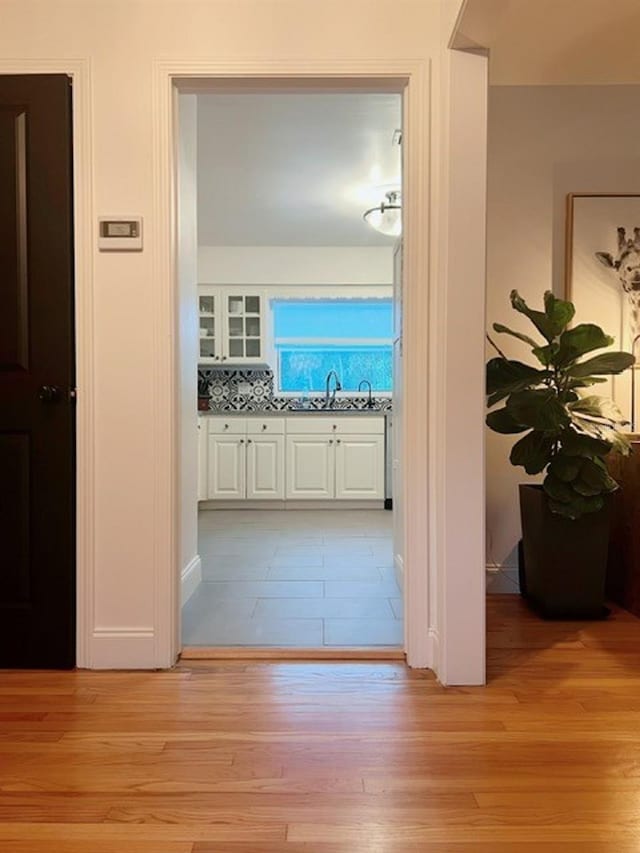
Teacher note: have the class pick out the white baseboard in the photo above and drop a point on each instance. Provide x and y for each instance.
(115, 648)
(398, 568)
(291, 504)
(190, 579)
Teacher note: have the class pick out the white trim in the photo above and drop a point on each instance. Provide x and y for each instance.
(398, 570)
(332, 503)
(115, 648)
(190, 579)
(80, 72)
(412, 78)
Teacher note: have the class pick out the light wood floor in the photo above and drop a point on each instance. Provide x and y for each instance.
(334, 758)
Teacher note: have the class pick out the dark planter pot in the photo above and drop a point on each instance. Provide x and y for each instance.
(563, 563)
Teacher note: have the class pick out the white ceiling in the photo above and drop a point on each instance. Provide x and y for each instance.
(555, 42)
(294, 169)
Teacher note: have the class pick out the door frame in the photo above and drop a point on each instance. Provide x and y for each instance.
(411, 79)
(79, 70)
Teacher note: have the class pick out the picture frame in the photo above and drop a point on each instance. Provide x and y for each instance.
(602, 273)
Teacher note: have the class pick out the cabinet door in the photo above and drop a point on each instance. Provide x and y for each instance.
(227, 467)
(244, 320)
(203, 476)
(360, 467)
(310, 467)
(265, 467)
(209, 326)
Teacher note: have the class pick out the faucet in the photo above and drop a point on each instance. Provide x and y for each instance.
(369, 401)
(338, 387)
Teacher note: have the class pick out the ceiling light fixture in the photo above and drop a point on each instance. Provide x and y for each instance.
(387, 217)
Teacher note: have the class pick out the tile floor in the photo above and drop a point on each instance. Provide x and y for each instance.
(302, 578)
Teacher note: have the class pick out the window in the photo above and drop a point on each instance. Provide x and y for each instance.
(351, 336)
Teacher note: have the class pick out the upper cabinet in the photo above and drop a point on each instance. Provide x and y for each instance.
(232, 325)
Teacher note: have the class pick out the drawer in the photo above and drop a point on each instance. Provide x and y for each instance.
(335, 425)
(265, 426)
(227, 426)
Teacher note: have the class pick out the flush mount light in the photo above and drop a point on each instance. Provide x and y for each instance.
(387, 217)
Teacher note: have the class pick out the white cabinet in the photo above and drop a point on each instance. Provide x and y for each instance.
(340, 457)
(360, 467)
(295, 458)
(245, 458)
(310, 467)
(227, 467)
(231, 325)
(265, 466)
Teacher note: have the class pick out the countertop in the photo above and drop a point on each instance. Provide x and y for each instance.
(287, 413)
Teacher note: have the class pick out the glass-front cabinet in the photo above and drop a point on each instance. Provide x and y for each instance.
(232, 325)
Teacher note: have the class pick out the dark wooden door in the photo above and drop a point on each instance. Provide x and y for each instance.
(37, 374)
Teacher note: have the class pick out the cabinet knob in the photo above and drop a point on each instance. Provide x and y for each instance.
(338, 441)
(226, 426)
(242, 441)
(264, 426)
(330, 441)
(248, 441)
(335, 427)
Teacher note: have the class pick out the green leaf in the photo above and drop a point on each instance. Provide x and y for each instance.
(580, 340)
(503, 422)
(546, 355)
(575, 444)
(498, 327)
(615, 438)
(532, 452)
(558, 490)
(565, 468)
(505, 376)
(608, 363)
(585, 382)
(594, 474)
(539, 409)
(566, 510)
(600, 408)
(559, 312)
(539, 319)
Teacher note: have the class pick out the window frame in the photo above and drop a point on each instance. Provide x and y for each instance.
(337, 293)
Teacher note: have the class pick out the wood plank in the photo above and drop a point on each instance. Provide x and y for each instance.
(334, 757)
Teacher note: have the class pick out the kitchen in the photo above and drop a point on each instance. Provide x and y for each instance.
(299, 357)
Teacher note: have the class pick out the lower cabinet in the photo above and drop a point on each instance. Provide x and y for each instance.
(227, 465)
(265, 467)
(360, 467)
(347, 468)
(310, 467)
(262, 460)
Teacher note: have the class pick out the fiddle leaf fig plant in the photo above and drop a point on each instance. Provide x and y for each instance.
(567, 429)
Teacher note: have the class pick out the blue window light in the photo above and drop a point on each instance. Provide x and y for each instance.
(351, 336)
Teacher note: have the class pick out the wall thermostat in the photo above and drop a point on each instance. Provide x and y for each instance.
(120, 233)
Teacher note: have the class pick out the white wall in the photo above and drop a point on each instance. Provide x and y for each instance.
(122, 42)
(190, 566)
(295, 265)
(544, 142)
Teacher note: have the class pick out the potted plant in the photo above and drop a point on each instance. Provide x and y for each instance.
(568, 432)
(204, 396)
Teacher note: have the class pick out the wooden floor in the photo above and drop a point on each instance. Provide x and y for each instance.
(222, 757)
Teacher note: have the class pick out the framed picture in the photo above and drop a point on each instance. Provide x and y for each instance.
(603, 272)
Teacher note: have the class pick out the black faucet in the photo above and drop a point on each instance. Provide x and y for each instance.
(338, 387)
(369, 401)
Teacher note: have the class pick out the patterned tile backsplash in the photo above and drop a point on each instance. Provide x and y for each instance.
(250, 390)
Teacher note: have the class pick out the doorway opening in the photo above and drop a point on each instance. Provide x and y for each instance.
(290, 279)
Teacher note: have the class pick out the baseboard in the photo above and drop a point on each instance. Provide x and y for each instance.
(291, 505)
(190, 579)
(398, 568)
(116, 648)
